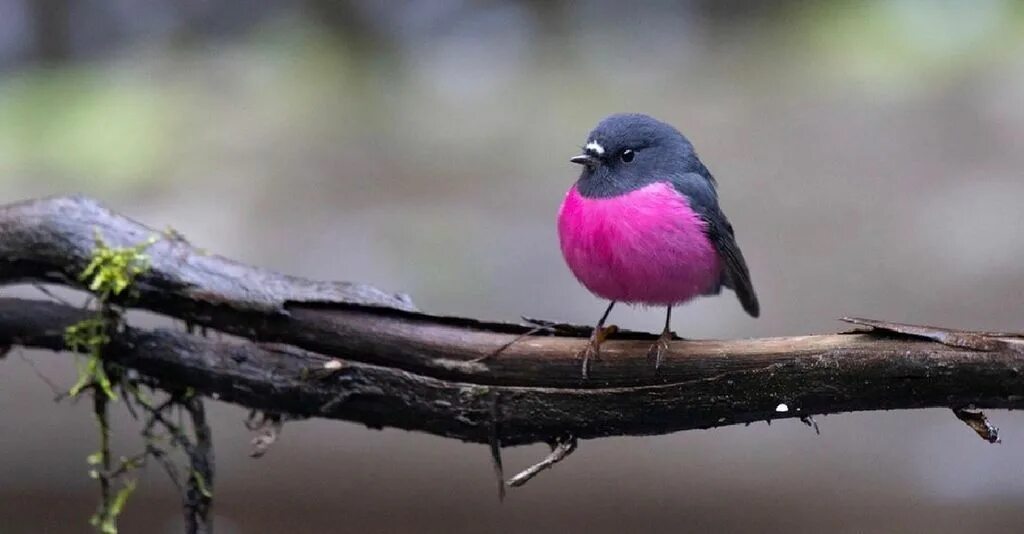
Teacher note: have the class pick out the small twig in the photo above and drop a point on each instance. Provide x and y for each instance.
(550, 327)
(158, 453)
(100, 410)
(128, 464)
(178, 436)
(58, 393)
(46, 291)
(269, 426)
(495, 447)
(168, 466)
(809, 421)
(199, 495)
(979, 423)
(562, 328)
(531, 332)
(128, 403)
(560, 449)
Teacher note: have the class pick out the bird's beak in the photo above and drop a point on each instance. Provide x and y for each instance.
(585, 159)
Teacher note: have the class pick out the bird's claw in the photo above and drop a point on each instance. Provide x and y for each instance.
(593, 348)
(588, 353)
(659, 349)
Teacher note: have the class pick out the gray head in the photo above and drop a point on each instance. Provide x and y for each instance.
(627, 151)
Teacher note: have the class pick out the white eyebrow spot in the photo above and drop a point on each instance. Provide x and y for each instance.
(593, 146)
(782, 408)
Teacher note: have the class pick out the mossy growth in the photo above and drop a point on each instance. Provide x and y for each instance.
(113, 270)
(90, 336)
(110, 272)
(201, 484)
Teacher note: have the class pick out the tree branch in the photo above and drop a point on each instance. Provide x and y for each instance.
(353, 352)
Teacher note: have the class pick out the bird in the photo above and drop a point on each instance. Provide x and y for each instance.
(642, 225)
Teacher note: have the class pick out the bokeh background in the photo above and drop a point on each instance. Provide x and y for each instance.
(870, 155)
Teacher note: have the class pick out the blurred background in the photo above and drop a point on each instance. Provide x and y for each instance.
(869, 153)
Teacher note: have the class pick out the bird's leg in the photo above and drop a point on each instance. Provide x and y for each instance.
(660, 347)
(593, 348)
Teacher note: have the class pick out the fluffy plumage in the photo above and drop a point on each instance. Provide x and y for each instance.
(644, 247)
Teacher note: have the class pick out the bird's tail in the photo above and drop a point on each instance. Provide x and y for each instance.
(737, 278)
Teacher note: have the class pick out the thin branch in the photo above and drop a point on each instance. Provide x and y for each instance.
(495, 446)
(531, 332)
(58, 393)
(167, 464)
(199, 494)
(561, 448)
(154, 418)
(103, 466)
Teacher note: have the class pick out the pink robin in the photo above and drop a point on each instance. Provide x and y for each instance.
(642, 225)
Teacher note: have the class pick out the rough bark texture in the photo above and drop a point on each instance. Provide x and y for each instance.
(353, 352)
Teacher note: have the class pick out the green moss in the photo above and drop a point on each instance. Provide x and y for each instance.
(90, 336)
(109, 273)
(201, 484)
(113, 270)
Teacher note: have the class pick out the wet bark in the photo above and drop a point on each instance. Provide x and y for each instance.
(349, 351)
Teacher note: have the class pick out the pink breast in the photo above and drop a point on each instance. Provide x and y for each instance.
(646, 246)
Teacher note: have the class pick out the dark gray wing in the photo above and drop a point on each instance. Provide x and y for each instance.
(700, 190)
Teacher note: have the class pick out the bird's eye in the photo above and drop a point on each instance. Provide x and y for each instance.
(627, 156)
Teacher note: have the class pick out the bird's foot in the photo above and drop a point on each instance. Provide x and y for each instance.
(659, 349)
(593, 348)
